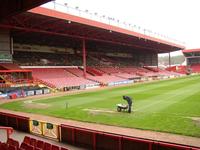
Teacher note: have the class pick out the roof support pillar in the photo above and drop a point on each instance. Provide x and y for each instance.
(169, 59)
(157, 60)
(187, 61)
(84, 58)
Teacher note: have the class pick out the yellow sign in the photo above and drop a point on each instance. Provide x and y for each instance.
(50, 130)
(44, 128)
(35, 127)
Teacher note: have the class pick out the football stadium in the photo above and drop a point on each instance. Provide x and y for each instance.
(71, 82)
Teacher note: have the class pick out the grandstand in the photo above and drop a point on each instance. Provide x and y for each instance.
(193, 60)
(44, 51)
(62, 58)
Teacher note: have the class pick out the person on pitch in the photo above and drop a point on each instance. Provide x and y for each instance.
(129, 101)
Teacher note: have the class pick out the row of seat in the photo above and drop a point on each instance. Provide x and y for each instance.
(44, 59)
(168, 73)
(60, 77)
(68, 82)
(77, 72)
(94, 71)
(69, 77)
(29, 144)
(9, 66)
(51, 73)
(126, 75)
(128, 72)
(106, 78)
(195, 67)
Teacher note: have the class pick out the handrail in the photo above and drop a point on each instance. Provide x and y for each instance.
(9, 131)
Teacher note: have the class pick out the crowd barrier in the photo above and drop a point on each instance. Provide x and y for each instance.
(86, 138)
(96, 140)
(17, 122)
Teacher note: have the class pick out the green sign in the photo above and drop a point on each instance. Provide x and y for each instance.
(5, 57)
(49, 126)
(35, 123)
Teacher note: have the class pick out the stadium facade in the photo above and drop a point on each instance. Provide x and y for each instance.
(85, 53)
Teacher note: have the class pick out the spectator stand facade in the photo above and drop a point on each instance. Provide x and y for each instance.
(193, 60)
(101, 44)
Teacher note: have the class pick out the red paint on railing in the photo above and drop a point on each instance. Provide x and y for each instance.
(148, 144)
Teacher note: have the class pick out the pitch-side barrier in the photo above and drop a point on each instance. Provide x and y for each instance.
(86, 138)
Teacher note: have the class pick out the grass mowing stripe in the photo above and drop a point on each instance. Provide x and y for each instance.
(137, 88)
(164, 96)
(162, 101)
(83, 99)
(158, 102)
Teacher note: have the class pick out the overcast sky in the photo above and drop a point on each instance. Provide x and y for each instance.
(179, 19)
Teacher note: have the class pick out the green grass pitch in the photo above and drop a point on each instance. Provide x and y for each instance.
(167, 106)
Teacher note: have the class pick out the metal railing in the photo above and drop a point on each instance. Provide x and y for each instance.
(65, 8)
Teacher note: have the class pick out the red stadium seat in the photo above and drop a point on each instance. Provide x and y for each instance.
(59, 78)
(47, 146)
(26, 140)
(9, 141)
(24, 145)
(40, 144)
(30, 147)
(4, 146)
(54, 147)
(11, 147)
(33, 142)
(106, 78)
(13, 143)
(10, 66)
